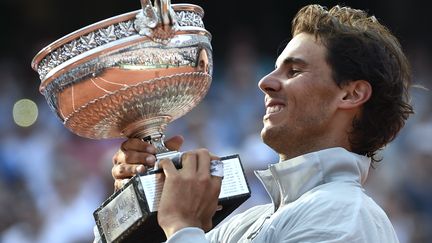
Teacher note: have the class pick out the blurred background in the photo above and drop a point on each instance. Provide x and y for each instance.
(51, 180)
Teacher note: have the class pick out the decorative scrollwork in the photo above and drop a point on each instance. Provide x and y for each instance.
(104, 36)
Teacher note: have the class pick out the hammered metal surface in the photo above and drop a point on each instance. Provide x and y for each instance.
(170, 96)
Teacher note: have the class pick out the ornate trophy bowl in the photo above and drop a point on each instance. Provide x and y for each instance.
(130, 75)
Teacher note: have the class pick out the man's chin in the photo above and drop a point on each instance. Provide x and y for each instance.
(268, 136)
(263, 132)
(274, 137)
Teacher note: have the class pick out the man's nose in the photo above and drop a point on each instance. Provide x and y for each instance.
(269, 83)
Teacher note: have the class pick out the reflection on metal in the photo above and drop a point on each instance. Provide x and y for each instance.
(111, 80)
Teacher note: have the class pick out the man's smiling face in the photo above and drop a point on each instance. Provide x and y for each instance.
(300, 97)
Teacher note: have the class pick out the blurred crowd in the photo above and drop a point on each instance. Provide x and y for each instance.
(51, 180)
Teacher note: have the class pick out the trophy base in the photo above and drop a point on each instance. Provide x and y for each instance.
(130, 214)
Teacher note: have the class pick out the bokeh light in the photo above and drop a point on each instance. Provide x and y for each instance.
(25, 112)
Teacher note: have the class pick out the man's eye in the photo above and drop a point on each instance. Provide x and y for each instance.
(293, 72)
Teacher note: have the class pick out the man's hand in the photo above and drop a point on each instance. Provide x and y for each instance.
(135, 156)
(190, 195)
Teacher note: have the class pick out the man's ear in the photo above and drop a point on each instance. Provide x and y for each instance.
(355, 94)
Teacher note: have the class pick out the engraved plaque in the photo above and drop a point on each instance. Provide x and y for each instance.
(119, 214)
(148, 188)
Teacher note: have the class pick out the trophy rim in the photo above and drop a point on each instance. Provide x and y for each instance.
(96, 52)
(75, 35)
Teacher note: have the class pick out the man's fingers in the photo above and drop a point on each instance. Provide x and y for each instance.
(174, 143)
(119, 183)
(123, 171)
(131, 157)
(116, 158)
(203, 162)
(216, 182)
(214, 157)
(189, 163)
(168, 167)
(136, 144)
(134, 157)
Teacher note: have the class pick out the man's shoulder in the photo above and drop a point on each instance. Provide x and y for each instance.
(346, 208)
(253, 213)
(334, 210)
(337, 192)
(335, 200)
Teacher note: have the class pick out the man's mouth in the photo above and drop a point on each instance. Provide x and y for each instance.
(273, 105)
(274, 109)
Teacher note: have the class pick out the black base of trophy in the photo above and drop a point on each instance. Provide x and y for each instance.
(130, 214)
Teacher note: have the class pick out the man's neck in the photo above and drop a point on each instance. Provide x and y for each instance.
(300, 151)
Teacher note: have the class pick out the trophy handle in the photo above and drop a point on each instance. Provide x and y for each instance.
(166, 12)
(151, 19)
(158, 22)
(150, 130)
(158, 141)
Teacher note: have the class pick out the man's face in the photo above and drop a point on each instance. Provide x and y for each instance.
(300, 97)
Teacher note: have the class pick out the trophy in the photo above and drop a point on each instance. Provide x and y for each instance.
(128, 77)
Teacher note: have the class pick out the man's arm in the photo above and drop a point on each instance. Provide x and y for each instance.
(188, 235)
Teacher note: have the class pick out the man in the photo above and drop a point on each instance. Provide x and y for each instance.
(338, 94)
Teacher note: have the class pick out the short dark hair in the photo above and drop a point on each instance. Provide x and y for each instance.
(360, 48)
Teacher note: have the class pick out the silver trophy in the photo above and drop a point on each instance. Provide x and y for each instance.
(129, 76)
